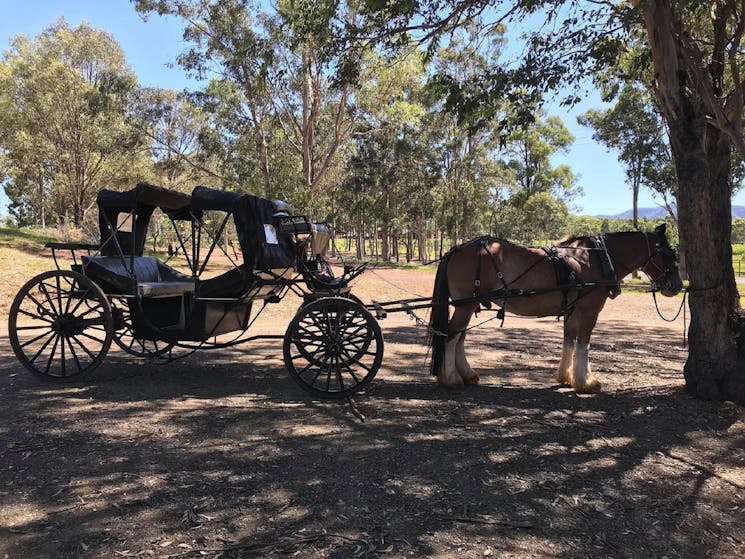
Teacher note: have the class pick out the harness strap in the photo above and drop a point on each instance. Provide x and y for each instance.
(566, 279)
(484, 301)
(483, 245)
(606, 266)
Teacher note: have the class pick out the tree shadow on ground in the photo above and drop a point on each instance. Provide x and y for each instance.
(222, 455)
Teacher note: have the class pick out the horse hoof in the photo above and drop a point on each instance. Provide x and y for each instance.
(454, 384)
(563, 380)
(592, 387)
(474, 379)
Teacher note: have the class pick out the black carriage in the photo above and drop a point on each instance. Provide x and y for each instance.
(62, 322)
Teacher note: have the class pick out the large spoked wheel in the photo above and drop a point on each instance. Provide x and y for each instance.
(333, 347)
(124, 335)
(60, 324)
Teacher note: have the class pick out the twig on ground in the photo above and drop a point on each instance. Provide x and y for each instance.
(282, 544)
(490, 521)
(706, 469)
(354, 410)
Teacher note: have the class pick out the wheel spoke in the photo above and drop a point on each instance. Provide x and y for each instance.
(62, 353)
(43, 289)
(351, 372)
(82, 346)
(41, 349)
(99, 340)
(338, 373)
(51, 355)
(82, 298)
(35, 317)
(74, 355)
(59, 300)
(37, 338)
(37, 327)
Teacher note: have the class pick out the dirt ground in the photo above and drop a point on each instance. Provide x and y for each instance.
(222, 455)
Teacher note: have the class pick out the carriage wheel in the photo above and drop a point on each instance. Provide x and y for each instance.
(124, 335)
(60, 324)
(333, 347)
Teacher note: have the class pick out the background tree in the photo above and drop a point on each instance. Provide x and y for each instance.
(64, 97)
(272, 70)
(633, 129)
(175, 129)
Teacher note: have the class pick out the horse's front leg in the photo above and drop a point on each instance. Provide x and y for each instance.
(565, 372)
(583, 381)
(450, 375)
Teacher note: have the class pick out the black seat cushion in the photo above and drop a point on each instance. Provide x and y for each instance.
(114, 274)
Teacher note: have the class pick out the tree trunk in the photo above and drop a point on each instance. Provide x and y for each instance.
(384, 240)
(635, 211)
(715, 368)
(421, 240)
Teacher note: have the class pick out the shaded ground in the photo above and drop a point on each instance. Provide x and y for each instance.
(221, 455)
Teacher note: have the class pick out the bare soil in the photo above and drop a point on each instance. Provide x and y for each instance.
(222, 455)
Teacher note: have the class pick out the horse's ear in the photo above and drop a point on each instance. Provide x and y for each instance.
(660, 229)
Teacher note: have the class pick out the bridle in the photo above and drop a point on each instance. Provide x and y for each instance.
(669, 267)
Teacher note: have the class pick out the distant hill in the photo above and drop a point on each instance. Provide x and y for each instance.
(660, 213)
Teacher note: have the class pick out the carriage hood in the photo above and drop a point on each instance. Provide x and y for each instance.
(263, 244)
(142, 201)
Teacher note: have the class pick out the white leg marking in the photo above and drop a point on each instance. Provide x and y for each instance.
(465, 371)
(449, 376)
(583, 381)
(564, 373)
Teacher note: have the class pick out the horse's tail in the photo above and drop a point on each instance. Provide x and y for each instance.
(438, 318)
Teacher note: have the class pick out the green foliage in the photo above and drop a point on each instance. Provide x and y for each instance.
(538, 219)
(528, 154)
(634, 129)
(63, 99)
(738, 230)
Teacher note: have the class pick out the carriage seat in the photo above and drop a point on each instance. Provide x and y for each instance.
(153, 277)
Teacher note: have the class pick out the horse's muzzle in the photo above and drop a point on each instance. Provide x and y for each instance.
(671, 286)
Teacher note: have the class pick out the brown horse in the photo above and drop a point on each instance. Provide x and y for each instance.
(572, 279)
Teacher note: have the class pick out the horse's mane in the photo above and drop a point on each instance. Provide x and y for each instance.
(572, 238)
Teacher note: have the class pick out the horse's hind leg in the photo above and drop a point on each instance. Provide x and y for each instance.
(465, 371)
(450, 375)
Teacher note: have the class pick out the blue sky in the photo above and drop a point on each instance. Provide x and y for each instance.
(150, 46)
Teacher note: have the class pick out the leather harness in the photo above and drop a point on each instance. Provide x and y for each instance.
(566, 278)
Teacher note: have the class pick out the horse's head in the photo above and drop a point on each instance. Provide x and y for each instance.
(662, 265)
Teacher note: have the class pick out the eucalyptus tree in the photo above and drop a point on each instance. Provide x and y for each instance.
(634, 129)
(64, 97)
(696, 53)
(273, 70)
(528, 152)
(175, 129)
(466, 154)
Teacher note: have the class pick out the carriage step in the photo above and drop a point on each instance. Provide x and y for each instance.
(380, 313)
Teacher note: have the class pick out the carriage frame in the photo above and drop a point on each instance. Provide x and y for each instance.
(62, 322)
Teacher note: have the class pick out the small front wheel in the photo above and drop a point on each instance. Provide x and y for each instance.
(125, 338)
(60, 324)
(333, 347)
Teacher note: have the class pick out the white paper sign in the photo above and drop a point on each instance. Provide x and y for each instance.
(271, 234)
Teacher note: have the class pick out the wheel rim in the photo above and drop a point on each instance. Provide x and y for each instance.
(124, 335)
(60, 324)
(333, 347)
